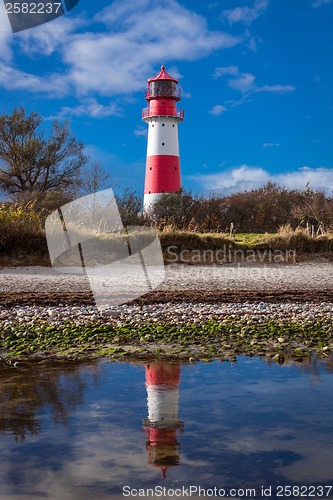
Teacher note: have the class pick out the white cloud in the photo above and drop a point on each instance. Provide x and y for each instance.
(217, 110)
(12, 78)
(245, 15)
(246, 177)
(41, 41)
(319, 3)
(117, 59)
(44, 40)
(91, 108)
(318, 178)
(119, 62)
(241, 178)
(276, 89)
(271, 145)
(252, 43)
(226, 70)
(141, 132)
(245, 82)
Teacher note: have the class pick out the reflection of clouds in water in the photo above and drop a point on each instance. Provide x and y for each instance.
(275, 408)
(105, 458)
(311, 455)
(248, 423)
(313, 444)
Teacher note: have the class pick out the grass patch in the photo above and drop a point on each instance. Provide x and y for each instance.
(252, 239)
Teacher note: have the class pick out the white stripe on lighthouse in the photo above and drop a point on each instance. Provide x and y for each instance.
(149, 200)
(162, 136)
(162, 403)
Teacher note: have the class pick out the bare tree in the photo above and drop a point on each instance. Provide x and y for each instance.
(34, 163)
(94, 177)
(130, 208)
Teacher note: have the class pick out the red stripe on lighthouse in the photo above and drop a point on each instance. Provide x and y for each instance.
(163, 375)
(165, 107)
(162, 174)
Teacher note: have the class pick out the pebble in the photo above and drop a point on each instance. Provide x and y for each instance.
(169, 313)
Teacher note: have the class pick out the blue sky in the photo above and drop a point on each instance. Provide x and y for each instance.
(256, 76)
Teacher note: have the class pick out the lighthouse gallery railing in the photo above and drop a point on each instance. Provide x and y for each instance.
(179, 113)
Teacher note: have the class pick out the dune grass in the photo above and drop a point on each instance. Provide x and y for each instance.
(300, 240)
(20, 225)
(286, 238)
(23, 242)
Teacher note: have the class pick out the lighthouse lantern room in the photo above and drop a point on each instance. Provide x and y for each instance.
(162, 116)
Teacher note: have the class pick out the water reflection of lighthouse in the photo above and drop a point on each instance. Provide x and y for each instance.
(162, 382)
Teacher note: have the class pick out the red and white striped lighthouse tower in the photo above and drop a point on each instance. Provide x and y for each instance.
(162, 382)
(162, 116)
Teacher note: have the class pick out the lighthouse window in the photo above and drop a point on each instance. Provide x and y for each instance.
(163, 125)
(149, 192)
(175, 168)
(153, 125)
(162, 88)
(151, 168)
(163, 143)
(163, 102)
(173, 125)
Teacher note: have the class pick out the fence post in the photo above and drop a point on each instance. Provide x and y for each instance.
(232, 230)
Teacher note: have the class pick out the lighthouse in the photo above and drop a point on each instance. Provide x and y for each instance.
(162, 382)
(162, 117)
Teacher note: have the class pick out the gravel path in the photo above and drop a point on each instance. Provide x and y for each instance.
(169, 313)
(189, 293)
(299, 296)
(303, 276)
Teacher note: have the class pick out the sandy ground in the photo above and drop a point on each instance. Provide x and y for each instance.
(309, 281)
(303, 276)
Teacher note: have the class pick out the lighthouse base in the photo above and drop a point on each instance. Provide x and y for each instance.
(149, 200)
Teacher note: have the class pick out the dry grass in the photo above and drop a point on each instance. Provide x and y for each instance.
(22, 234)
(286, 239)
(23, 242)
(300, 240)
(192, 240)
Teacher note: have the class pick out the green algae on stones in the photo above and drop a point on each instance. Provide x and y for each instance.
(215, 338)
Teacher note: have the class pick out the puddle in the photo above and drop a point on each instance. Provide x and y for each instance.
(86, 431)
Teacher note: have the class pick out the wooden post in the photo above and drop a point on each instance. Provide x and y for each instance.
(232, 230)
